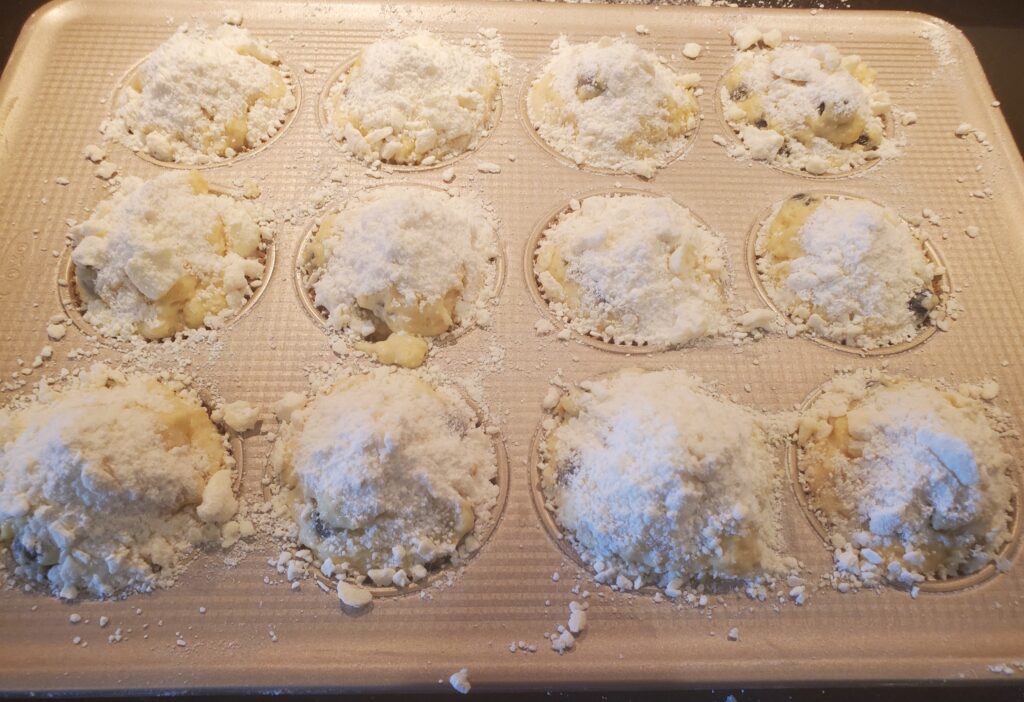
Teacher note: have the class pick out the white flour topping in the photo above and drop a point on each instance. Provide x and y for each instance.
(412, 99)
(203, 96)
(403, 260)
(654, 480)
(909, 477)
(107, 485)
(634, 269)
(807, 107)
(166, 255)
(610, 104)
(848, 270)
(388, 474)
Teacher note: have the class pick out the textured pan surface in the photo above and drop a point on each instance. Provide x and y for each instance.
(56, 91)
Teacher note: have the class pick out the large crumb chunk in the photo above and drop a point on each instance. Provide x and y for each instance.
(241, 416)
(288, 404)
(353, 595)
(219, 503)
(397, 350)
(460, 681)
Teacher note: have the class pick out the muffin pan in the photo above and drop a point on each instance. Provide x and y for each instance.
(254, 632)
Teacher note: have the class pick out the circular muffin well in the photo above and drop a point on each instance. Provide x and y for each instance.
(307, 296)
(437, 570)
(291, 81)
(563, 539)
(887, 122)
(324, 122)
(533, 285)
(71, 300)
(234, 448)
(963, 582)
(524, 118)
(941, 284)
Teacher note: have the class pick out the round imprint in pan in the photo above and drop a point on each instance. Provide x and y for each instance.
(399, 266)
(631, 269)
(203, 97)
(390, 478)
(110, 482)
(909, 482)
(413, 101)
(807, 108)
(849, 272)
(612, 106)
(653, 481)
(163, 257)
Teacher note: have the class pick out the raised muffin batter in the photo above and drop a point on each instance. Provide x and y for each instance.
(402, 262)
(387, 473)
(807, 107)
(909, 477)
(106, 486)
(633, 269)
(658, 483)
(203, 95)
(414, 100)
(848, 270)
(610, 104)
(166, 255)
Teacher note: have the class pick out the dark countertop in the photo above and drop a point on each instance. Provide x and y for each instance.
(996, 29)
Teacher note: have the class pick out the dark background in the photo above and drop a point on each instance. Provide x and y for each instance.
(996, 29)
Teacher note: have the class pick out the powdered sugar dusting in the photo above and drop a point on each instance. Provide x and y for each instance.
(386, 475)
(167, 255)
(402, 259)
(416, 99)
(108, 483)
